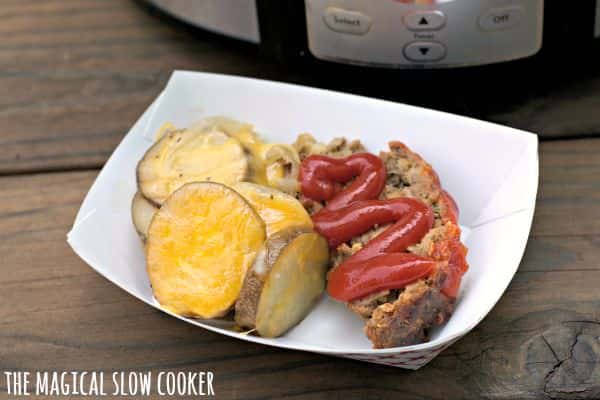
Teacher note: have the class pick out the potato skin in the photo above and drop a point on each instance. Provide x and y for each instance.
(246, 306)
(142, 211)
(147, 154)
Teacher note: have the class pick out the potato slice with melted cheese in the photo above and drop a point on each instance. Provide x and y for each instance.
(274, 165)
(200, 245)
(184, 156)
(254, 147)
(279, 210)
(282, 166)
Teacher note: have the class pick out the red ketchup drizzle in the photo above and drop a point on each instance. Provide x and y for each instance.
(319, 175)
(382, 272)
(452, 207)
(457, 266)
(412, 220)
(382, 263)
(452, 250)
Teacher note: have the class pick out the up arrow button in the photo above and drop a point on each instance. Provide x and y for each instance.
(425, 20)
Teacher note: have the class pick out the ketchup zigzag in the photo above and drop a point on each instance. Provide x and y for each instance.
(383, 262)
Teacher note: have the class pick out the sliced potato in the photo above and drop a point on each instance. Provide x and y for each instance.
(254, 147)
(277, 209)
(286, 279)
(184, 156)
(275, 165)
(240, 130)
(200, 245)
(142, 212)
(165, 128)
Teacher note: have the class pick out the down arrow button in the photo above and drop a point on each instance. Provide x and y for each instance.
(424, 51)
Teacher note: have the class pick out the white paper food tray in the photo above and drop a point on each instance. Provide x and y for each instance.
(491, 170)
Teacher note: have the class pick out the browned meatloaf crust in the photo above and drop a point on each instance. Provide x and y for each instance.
(397, 317)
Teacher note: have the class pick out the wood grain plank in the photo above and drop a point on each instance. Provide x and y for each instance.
(540, 340)
(76, 75)
(570, 189)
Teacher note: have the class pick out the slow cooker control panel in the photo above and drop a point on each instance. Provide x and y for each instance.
(424, 33)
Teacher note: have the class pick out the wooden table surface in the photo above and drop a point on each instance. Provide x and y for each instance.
(75, 75)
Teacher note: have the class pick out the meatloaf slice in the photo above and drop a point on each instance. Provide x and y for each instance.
(405, 316)
(407, 319)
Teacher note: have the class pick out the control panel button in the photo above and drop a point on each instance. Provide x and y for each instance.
(500, 18)
(425, 20)
(346, 21)
(425, 51)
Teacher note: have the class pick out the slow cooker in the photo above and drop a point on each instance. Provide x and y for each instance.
(417, 34)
